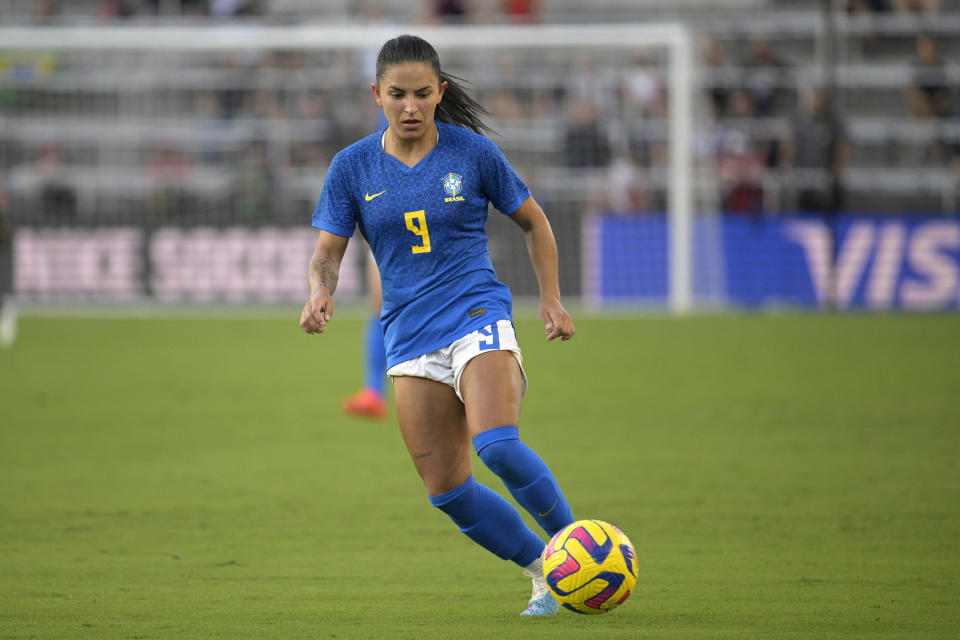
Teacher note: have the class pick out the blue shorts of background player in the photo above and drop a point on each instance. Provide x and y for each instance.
(418, 191)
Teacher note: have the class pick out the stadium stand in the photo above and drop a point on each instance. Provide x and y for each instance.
(67, 152)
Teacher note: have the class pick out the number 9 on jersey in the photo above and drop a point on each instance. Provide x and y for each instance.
(417, 223)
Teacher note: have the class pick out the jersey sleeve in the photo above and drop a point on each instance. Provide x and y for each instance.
(501, 184)
(336, 211)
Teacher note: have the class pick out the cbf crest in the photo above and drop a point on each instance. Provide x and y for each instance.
(452, 186)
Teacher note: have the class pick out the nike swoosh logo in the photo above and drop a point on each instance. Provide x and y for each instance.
(371, 197)
(547, 512)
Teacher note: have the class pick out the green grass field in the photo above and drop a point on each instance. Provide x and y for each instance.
(791, 476)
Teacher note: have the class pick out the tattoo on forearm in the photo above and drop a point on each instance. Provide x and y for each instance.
(423, 455)
(323, 272)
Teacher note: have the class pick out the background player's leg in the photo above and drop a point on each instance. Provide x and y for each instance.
(374, 351)
(8, 310)
(434, 429)
(369, 402)
(491, 386)
(375, 357)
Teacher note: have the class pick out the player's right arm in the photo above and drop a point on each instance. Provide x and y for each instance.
(323, 275)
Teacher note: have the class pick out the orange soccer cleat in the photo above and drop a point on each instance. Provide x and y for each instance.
(365, 403)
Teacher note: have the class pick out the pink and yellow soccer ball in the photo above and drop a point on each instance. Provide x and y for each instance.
(590, 566)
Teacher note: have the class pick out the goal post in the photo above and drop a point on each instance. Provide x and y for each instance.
(471, 43)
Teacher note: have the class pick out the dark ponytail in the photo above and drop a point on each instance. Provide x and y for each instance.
(456, 107)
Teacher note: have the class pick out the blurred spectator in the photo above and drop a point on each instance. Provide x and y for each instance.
(236, 69)
(868, 7)
(765, 76)
(586, 143)
(544, 102)
(644, 92)
(449, 11)
(46, 12)
(736, 131)
(929, 7)
(198, 7)
(318, 135)
(183, 7)
(252, 192)
(522, 11)
(598, 84)
(625, 192)
(111, 9)
(930, 93)
(503, 105)
(213, 127)
(715, 61)
(741, 179)
(954, 144)
(740, 159)
(930, 98)
(818, 151)
(58, 199)
(228, 8)
(167, 173)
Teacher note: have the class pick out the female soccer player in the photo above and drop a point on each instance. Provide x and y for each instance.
(418, 191)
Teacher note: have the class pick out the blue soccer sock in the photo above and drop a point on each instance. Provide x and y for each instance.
(490, 521)
(526, 475)
(375, 356)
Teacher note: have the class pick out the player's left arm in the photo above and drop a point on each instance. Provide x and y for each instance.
(542, 247)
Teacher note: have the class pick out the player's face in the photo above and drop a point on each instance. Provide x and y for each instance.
(409, 94)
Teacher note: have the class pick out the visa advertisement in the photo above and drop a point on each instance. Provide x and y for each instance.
(855, 262)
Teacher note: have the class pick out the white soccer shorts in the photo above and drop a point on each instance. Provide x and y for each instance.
(446, 365)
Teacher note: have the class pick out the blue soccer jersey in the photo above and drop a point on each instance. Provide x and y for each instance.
(426, 226)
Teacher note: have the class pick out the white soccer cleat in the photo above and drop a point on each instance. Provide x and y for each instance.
(542, 602)
(544, 606)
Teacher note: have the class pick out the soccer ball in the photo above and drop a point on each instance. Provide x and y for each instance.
(590, 566)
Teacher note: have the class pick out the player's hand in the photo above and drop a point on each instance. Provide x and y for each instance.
(556, 321)
(317, 312)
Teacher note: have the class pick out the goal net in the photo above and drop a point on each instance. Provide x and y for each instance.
(183, 163)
